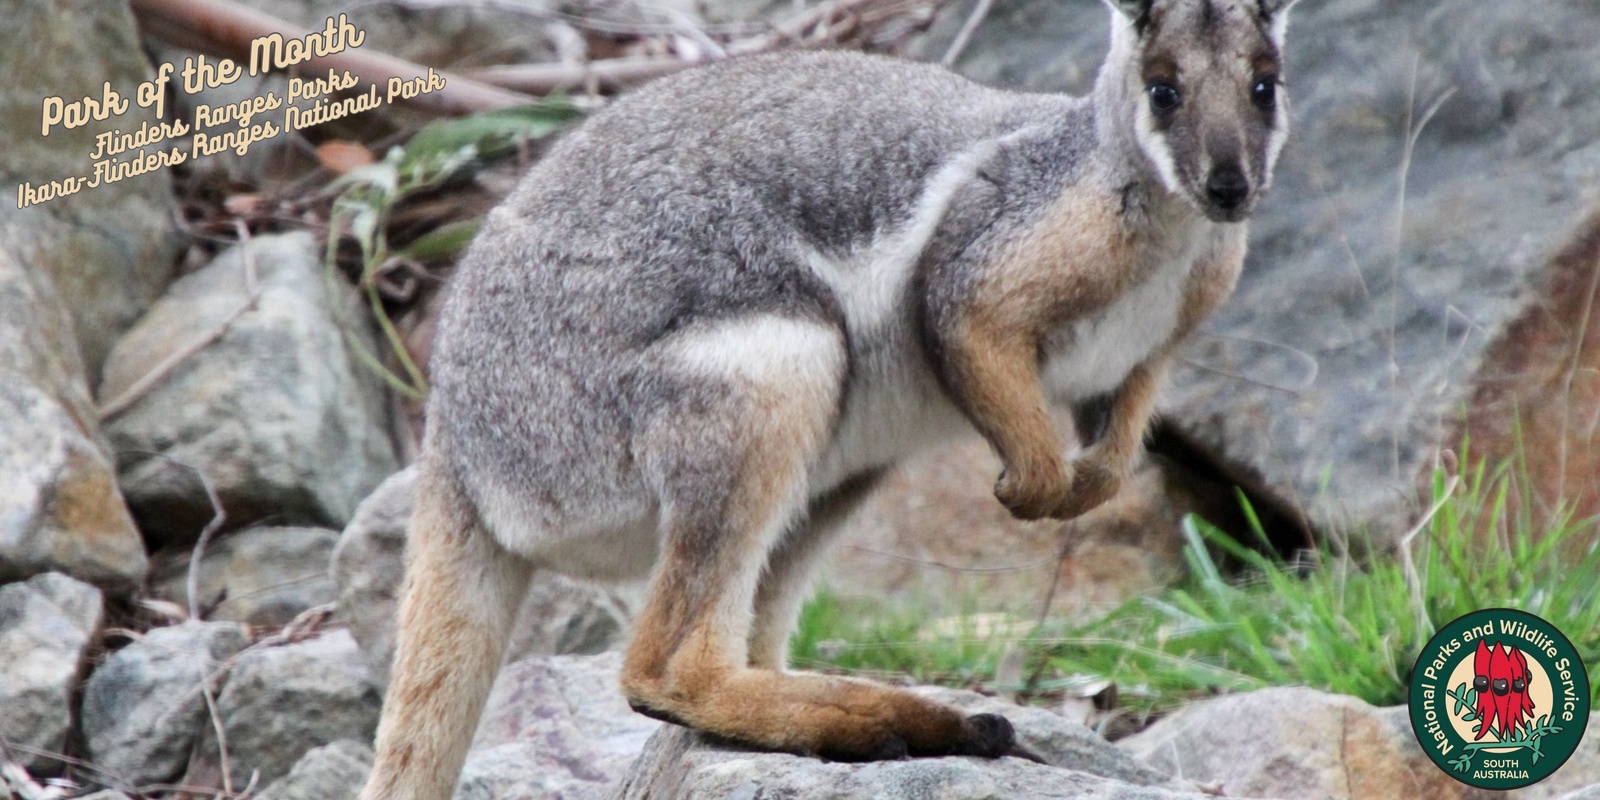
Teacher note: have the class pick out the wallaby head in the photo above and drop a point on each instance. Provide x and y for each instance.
(1204, 82)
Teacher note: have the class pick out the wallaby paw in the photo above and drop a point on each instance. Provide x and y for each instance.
(1092, 485)
(1028, 497)
(988, 736)
(889, 747)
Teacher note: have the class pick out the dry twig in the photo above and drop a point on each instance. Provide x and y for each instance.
(836, 23)
(225, 28)
(141, 387)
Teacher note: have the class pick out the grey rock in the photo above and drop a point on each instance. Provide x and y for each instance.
(1296, 742)
(277, 414)
(143, 709)
(46, 626)
(108, 249)
(1588, 793)
(560, 614)
(280, 702)
(1579, 777)
(679, 763)
(60, 508)
(263, 576)
(1056, 740)
(1292, 390)
(554, 727)
(331, 772)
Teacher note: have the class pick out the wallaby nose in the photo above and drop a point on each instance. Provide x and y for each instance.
(1228, 187)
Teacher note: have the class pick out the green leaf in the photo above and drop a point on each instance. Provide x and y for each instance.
(493, 133)
(442, 242)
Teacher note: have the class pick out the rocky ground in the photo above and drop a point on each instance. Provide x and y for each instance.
(1450, 262)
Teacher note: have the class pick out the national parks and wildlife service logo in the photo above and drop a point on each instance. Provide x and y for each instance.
(1499, 699)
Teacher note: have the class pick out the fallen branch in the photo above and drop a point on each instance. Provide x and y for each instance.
(225, 28)
(830, 24)
(141, 387)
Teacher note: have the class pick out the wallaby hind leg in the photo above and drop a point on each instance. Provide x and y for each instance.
(461, 595)
(730, 468)
(787, 581)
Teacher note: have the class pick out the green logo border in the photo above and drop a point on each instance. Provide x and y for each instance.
(1452, 632)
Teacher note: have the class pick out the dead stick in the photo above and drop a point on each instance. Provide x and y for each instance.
(611, 73)
(122, 402)
(226, 29)
(833, 20)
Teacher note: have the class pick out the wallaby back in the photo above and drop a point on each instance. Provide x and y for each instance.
(715, 313)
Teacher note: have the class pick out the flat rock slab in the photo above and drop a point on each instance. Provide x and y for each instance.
(680, 764)
(46, 626)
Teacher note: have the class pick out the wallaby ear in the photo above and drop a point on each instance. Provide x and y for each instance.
(1271, 8)
(1134, 10)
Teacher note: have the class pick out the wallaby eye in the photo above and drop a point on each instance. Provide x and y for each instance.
(1265, 94)
(1164, 97)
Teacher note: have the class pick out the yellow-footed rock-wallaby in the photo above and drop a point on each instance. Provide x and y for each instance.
(706, 322)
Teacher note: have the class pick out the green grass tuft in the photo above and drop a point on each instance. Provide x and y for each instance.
(1333, 623)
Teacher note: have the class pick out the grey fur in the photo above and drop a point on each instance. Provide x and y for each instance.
(726, 303)
(695, 201)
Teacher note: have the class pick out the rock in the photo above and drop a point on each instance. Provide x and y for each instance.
(1296, 742)
(560, 614)
(1292, 390)
(263, 576)
(1580, 774)
(1059, 742)
(46, 626)
(277, 414)
(679, 763)
(1589, 793)
(280, 702)
(142, 708)
(332, 772)
(932, 535)
(60, 508)
(555, 727)
(109, 249)
(106, 794)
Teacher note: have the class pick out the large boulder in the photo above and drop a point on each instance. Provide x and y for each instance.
(46, 627)
(143, 709)
(559, 615)
(1392, 291)
(109, 249)
(278, 414)
(1296, 742)
(60, 508)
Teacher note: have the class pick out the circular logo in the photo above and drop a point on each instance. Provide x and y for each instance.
(1499, 699)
